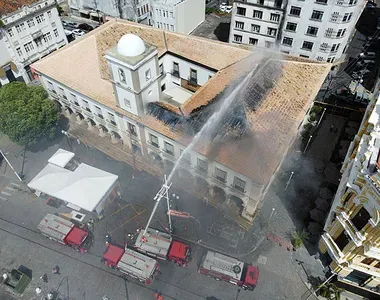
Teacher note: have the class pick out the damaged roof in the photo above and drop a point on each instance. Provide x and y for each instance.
(274, 120)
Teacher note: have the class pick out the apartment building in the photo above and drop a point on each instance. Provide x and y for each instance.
(316, 29)
(352, 232)
(30, 30)
(182, 16)
(143, 92)
(134, 10)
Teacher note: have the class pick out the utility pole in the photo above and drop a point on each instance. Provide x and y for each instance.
(23, 162)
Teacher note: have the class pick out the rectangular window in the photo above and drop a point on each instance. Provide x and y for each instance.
(171, 14)
(40, 19)
(347, 17)
(275, 17)
(55, 32)
(47, 37)
(202, 165)
(28, 47)
(257, 14)
(341, 32)
(239, 184)
(175, 69)
(62, 93)
(148, 75)
(30, 23)
(220, 175)
(319, 58)
(50, 86)
(352, 2)
(304, 56)
(311, 30)
(132, 129)
(193, 75)
(368, 260)
(10, 32)
(86, 106)
(111, 118)
(253, 41)
(329, 32)
(295, 11)
(324, 46)
(161, 69)
(287, 41)
(18, 50)
(317, 15)
(335, 47)
(49, 13)
(38, 41)
(74, 99)
(255, 28)
(291, 26)
(307, 45)
(171, 27)
(169, 148)
(163, 13)
(153, 140)
(241, 11)
(334, 16)
(99, 111)
(272, 31)
(330, 59)
(321, 1)
(238, 38)
(127, 103)
(239, 25)
(19, 28)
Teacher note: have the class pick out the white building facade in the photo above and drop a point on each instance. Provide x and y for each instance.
(28, 34)
(181, 16)
(316, 29)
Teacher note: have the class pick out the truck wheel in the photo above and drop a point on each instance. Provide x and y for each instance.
(217, 279)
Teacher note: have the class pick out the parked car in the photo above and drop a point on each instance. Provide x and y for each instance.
(225, 8)
(228, 9)
(85, 27)
(72, 24)
(78, 32)
(365, 62)
(360, 74)
(64, 23)
(367, 55)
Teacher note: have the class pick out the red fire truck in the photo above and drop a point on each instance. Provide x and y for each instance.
(131, 263)
(65, 232)
(229, 269)
(160, 245)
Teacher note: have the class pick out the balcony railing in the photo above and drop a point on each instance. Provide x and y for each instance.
(332, 248)
(112, 123)
(354, 234)
(192, 81)
(100, 119)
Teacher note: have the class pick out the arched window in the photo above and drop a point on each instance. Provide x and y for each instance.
(122, 76)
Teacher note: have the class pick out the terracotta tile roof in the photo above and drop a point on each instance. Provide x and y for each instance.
(273, 123)
(8, 6)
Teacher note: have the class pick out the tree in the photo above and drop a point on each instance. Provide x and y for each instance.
(330, 291)
(26, 113)
(299, 238)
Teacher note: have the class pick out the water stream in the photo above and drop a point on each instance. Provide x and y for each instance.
(214, 120)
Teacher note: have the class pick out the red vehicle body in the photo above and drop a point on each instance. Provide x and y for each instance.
(65, 232)
(229, 269)
(131, 263)
(160, 245)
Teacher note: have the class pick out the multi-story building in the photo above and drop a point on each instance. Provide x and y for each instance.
(149, 92)
(31, 29)
(316, 29)
(182, 16)
(134, 10)
(352, 231)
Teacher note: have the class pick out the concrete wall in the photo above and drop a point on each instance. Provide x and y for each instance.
(189, 14)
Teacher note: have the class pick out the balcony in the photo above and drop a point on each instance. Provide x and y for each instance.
(36, 34)
(112, 124)
(64, 100)
(175, 73)
(332, 248)
(219, 180)
(354, 234)
(100, 119)
(192, 81)
(200, 170)
(371, 251)
(153, 145)
(87, 111)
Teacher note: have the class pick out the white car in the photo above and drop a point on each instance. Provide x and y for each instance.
(367, 55)
(78, 32)
(225, 8)
(228, 9)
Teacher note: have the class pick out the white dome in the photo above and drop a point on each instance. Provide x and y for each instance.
(130, 45)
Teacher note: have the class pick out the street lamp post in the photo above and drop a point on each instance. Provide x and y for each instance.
(307, 145)
(3, 155)
(68, 139)
(320, 119)
(288, 182)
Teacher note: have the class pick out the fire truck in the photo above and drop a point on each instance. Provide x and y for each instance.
(131, 263)
(160, 245)
(65, 232)
(229, 269)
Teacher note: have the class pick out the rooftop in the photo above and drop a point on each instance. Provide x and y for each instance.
(8, 6)
(284, 86)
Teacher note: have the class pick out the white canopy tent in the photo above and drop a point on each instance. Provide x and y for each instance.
(85, 187)
(61, 158)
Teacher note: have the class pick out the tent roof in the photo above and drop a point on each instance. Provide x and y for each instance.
(84, 187)
(61, 157)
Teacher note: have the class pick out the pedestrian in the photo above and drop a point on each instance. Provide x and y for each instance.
(55, 270)
(331, 127)
(156, 295)
(44, 278)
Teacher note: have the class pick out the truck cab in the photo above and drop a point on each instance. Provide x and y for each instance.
(179, 253)
(250, 275)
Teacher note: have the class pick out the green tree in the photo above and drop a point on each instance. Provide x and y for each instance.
(26, 113)
(299, 238)
(330, 291)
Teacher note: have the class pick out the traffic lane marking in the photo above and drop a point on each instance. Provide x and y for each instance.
(129, 220)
